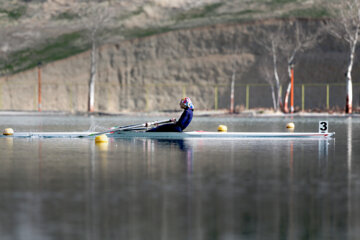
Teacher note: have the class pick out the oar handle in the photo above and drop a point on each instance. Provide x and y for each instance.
(129, 127)
(148, 124)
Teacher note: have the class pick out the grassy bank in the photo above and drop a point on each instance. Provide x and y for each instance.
(69, 44)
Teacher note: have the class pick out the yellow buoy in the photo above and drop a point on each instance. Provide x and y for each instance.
(101, 138)
(290, 125)
(8, 131)
(222, 128)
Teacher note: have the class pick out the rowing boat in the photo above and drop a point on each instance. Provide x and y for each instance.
(204, 134)
(175, 135)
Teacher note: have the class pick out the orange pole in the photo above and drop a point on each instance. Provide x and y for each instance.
(39, 89)
(292, 91)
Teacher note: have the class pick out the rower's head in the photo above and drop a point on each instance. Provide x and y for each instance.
(186, 103)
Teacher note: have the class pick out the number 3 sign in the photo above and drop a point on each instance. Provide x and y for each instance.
(323, 127)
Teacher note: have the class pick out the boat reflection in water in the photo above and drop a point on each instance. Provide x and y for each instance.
(147, 186)
(179, 189)
(183, 147)
(193, 189)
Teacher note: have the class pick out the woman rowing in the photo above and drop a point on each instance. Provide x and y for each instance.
(182, 123)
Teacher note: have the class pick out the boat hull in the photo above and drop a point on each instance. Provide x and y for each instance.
(234, 135)
(175, 135)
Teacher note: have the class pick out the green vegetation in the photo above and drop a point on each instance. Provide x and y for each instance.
(207, 11)
(66, 16)
(140, 32)
(283, 1)
(74, 43)
(278, 4)
(53, 50)
(308, 13)
(241, 16)
(246, 12)
(212, 7)
(128, 15)
(14, 14)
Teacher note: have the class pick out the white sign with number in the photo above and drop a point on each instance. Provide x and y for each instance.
(323, 127)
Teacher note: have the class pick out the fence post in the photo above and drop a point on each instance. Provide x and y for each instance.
(70, 99)
(247, 96)
(35, 97)
(292, 89)
(39, 87)
(1, 95)
(302, 97)
(327, 96)
(216, 98)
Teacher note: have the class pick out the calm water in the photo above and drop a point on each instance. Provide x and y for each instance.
(191, 189)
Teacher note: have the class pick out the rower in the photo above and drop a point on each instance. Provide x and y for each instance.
(182, 123)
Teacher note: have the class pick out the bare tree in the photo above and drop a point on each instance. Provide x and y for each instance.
(271, 40)
(95, 18)
(232, 87)
(346, 26)
(300, 39)
(267, 73)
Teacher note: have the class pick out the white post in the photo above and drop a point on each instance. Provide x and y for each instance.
(232, 93)
(349, 95)
(92, 79)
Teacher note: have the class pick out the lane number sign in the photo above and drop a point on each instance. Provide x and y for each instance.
(323, 127)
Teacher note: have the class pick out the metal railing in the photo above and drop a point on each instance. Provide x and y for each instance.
(72, 97)
(323, 96)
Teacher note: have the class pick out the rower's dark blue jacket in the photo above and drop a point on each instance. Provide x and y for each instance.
(179, 126)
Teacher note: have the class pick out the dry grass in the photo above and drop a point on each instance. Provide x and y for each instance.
(40, 31)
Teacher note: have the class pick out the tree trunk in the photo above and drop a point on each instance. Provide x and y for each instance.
(349, 95)
(276, 75)
(273, 95)
(286, 100)
(349, 90)
(288, 90)
(232, 92)
(92, 78)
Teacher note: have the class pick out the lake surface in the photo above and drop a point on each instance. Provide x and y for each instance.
(190, 189)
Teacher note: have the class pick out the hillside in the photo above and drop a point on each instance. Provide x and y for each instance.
(143, 66)
(44, 31)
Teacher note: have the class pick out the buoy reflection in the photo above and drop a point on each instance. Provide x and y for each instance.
(102, 146)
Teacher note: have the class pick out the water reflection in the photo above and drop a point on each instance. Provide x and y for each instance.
(349, 143)
(235, 192)
(184, 146)
(352, 217)
(323, 153)
(190, 189)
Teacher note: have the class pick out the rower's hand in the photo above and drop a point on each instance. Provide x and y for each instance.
(173, 120)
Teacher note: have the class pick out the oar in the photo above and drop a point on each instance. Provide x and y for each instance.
(129, 127)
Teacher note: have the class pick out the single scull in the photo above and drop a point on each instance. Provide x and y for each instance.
(174, 135)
